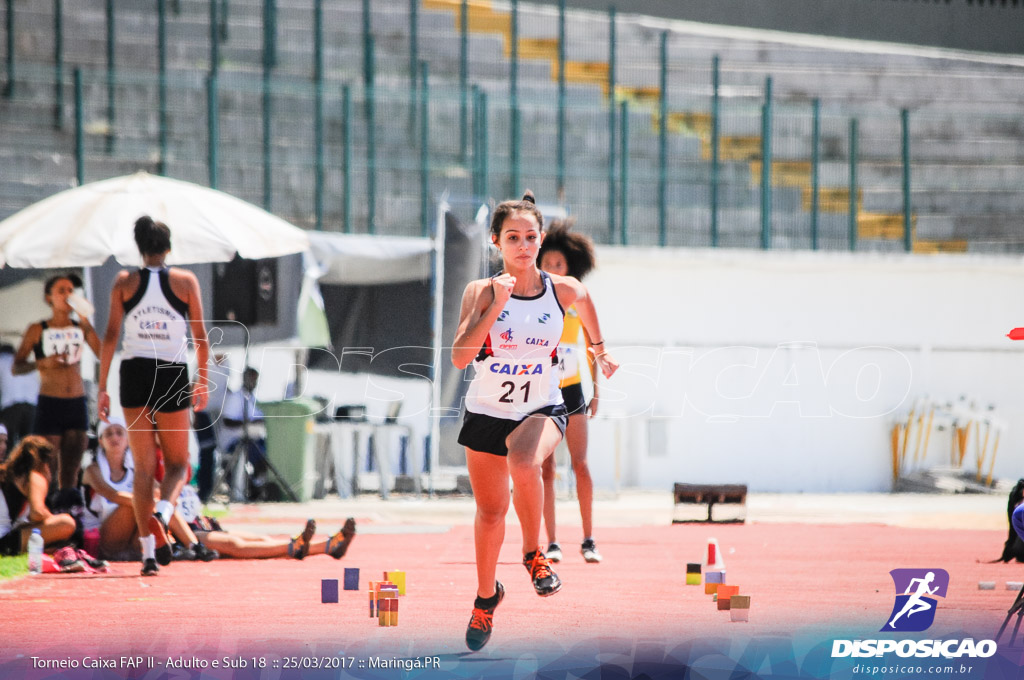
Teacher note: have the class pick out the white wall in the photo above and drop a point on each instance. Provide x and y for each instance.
(786, 370)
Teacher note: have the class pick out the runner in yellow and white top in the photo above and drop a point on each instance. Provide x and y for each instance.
(566, 253)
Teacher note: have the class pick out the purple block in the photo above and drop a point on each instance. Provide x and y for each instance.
(328, 590)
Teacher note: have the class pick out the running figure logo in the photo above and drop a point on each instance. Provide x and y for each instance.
(914, 610)
(507, 335)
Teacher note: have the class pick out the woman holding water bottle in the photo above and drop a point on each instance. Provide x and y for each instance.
(61, 414)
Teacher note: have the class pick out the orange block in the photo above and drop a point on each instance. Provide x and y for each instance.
(711, 588)
(725, 593)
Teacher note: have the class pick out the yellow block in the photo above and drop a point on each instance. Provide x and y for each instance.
(881, 225)
(784, 174)
(539, 48)
(689, 122)
(931, 247)
(585, 72)
(637, 94)
(830, 199)
(398, 578)
(693, 579)
(739, 148)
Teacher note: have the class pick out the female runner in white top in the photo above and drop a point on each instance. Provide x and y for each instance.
(510, 325)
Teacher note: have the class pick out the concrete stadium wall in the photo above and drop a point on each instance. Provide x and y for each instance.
(957, 24)
(786, 371)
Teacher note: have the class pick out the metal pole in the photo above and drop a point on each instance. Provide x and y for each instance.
(624, 174)
(9, 86)
(663, 144)
(853, 184)
(475, 97)
(611, 125)
(111, 78)
(346, 175)
(58, 64)
(162, 69)
(485, 189)
(414, 60)
(79, 131)
(463, 76)
(815, 170)
(560, 186)
(214, 38)
(318, 111)
(716, 113)
(424, 148)
(213, 129)
(371, 144)
(268, 112)
(514, 98)
(367, 38)
(908, 226)
(766, 166)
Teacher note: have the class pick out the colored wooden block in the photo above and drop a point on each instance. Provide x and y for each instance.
(725, 594)
(693, 579)
(693, 568)
(714, 577)
(398, 578)
(351, 578)
(382, 613)
(739, 614)
(373, 603)
(393, 612)
(739, 602)
(711, 588)
(329, 590)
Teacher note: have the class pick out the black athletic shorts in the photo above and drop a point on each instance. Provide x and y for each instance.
(157, 385)
(488, 434)
(56, 415)
(572, 395)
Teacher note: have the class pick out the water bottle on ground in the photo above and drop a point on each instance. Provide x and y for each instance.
(35, 552)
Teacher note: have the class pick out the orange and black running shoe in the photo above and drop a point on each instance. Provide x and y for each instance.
(545, 581)
(481, 624)
(299, 546)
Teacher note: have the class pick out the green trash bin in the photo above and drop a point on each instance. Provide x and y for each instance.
(290, 443)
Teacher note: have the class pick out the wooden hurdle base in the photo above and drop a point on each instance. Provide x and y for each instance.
(690, 500)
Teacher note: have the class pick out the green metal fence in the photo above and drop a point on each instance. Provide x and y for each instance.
(359, 131)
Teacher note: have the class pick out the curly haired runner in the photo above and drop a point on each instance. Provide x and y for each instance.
(509, 330)
(568, 253)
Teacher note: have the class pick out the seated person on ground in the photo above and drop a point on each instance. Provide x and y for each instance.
(24, 482)
(110, 478)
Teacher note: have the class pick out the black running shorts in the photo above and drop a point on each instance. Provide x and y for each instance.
(488, 434)
(160, 386)
(56, 415)
(572, 395)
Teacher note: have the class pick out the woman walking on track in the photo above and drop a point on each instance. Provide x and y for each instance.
(567, 253)
(509, 330)
(62, 414)
(159, 308)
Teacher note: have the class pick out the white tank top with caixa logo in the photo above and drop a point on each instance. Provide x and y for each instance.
(156, 320)
(516, 371)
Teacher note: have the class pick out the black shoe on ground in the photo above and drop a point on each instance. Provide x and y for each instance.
(482, 622)
(149, 567)
(589, 551)
(545, 581)
(181, 553)
(204, 554)
(164, 554)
